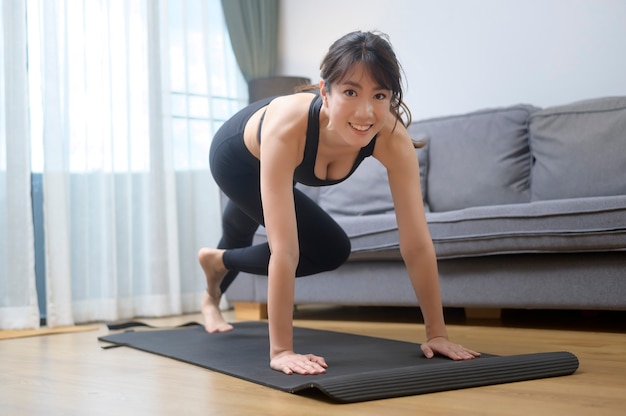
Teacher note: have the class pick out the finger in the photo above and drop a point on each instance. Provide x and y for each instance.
(306, 365)
(308, 369)
(301, 364)
(428, 352)
(463, 354)
(315, 368)
(317, 360)
(458, 353)
(466, 353)
(471, 354)
(474, 353)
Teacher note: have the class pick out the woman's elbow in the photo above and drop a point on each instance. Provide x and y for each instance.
(285, 259)
(416, 248)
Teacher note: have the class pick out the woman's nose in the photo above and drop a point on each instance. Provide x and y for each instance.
(365, 108)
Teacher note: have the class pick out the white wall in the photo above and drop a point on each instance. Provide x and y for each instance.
(463, 55)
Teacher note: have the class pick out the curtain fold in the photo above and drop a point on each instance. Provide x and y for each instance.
(128, 197)
(109, 190)
(115, 103)
(164, 249)
(253, 29)
(18, 297)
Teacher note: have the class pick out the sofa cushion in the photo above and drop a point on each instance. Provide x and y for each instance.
(312, 192)
(563, 225)
(367, 191)
(479, 158)
(566, 225)
(579, 149)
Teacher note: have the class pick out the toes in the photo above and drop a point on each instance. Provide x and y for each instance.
(218, 328)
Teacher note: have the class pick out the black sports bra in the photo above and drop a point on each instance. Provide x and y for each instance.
(305, 171)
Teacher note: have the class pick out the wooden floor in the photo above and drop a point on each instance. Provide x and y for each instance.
(69, 374)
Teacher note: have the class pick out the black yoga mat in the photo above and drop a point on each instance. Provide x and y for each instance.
(360, 367)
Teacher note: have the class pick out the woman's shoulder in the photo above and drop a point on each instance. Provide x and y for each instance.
(285, 120)
(393, 131)
(289, 112)
(392, 141)
(293, 103)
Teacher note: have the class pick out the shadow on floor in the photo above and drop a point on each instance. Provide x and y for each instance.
(575, 320)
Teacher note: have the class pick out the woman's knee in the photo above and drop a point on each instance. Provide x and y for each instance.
(335, 252)
(342, 252)
(323, 256)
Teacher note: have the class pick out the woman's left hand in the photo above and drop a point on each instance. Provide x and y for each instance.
(441, 346)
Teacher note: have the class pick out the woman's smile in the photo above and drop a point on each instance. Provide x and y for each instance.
(361, 127)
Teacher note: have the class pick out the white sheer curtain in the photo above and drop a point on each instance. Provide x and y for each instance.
(18, 297)
(129, 93)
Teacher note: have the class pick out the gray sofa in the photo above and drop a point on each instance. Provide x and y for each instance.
(526, 209)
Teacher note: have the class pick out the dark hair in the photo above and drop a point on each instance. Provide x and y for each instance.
(374, 50)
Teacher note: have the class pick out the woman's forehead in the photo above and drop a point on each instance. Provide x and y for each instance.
(361, 74)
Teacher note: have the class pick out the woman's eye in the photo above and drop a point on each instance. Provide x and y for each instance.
(350, 93)
(380, 96)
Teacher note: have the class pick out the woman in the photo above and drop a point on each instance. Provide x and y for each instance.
(318, 137)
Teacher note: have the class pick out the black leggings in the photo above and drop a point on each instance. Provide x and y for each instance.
(322, 242)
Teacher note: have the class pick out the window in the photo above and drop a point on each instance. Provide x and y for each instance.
(201, 100)
(102, 73)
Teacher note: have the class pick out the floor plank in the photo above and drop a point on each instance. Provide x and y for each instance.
(23, 333)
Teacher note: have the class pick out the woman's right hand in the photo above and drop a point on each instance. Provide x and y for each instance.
(289, 363)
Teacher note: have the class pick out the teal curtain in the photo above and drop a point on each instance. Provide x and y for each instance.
(253, 29)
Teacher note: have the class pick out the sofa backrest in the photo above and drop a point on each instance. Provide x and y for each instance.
(579, 149)
(366, 192)
(500, 156)
(478, 158)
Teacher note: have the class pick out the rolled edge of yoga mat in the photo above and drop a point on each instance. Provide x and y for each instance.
(445, 376)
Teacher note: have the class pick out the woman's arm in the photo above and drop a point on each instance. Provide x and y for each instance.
(283, 134)
(397, 153)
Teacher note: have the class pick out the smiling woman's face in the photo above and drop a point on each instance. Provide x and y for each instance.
(357, 106)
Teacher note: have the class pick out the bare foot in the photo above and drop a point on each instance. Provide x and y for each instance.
(214, 270)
